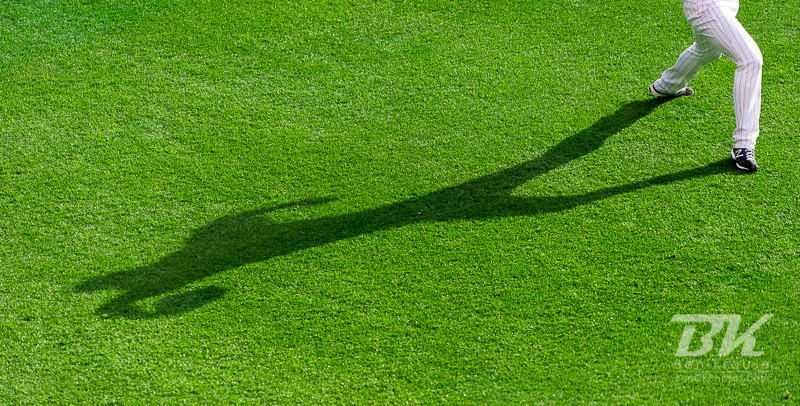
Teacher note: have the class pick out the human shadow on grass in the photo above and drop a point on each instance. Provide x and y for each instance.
(249, 237)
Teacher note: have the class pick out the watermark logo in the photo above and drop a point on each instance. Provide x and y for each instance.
(730, 342)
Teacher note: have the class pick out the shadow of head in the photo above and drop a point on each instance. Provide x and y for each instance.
(225, 243)
(133, 306)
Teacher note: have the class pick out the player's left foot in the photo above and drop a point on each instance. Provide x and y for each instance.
(686, 91)
(745, 159)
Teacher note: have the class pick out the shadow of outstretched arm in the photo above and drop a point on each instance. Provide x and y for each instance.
(239, 239)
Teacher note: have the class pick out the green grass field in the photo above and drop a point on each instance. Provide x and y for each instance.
(216, 202)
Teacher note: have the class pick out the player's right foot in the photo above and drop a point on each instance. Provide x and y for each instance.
(745, 159)
(686, 91)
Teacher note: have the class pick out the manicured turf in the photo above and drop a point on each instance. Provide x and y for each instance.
(432, 202)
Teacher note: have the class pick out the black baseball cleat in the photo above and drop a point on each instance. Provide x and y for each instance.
(745, 159)
(686, 91)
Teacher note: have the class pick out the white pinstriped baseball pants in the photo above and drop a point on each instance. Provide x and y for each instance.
(717, 32)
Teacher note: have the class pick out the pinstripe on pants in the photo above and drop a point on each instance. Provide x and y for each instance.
(717, 32)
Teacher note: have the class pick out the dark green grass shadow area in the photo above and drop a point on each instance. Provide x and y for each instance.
(249, 237)
(32, 29)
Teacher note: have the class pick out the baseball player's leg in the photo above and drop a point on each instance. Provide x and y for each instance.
(728, 35)
(686, 68)
(691, 59)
